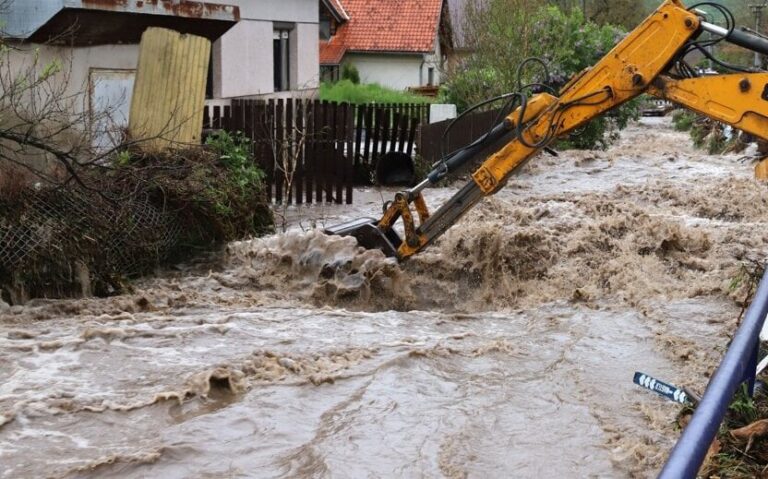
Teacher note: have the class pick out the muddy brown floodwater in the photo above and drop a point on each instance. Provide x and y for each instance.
(506, 350)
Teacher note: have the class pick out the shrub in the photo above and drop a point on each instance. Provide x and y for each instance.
(346, 91)
(350, 72)
(235, 153)
(683, 120)
(504, 33)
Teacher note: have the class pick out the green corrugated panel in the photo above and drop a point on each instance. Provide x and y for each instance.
(169, 91)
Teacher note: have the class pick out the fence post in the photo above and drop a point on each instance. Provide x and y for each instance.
(277, 150)
(289, 168)
(310, 150)
(301, 135)
(328, 125)
(350, 157)
(319, 159)
(339, 140)
(360, 113)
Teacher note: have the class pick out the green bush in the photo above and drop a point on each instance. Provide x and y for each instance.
(237, 196)
(349, 72)
(683, 120)
(346, 91)
(706, 134)
(235, 153)
(504, 36)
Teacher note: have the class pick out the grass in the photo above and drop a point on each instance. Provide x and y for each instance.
(346, 91)
(736, 459)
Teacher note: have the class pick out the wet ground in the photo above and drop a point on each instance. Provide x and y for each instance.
(506, 350)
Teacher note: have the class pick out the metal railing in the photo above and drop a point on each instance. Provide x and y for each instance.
(738, 366)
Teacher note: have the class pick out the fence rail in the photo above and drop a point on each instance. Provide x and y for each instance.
(738, 366)
(315, 151)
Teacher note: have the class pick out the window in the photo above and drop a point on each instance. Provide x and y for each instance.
(431, 76)
(329, 73)
(282, 60)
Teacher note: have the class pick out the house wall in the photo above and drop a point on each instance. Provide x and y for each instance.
(76, 65)
(435, 61)
(243, 57)
(112, 67)
(395, 71)
(398, 71)
(242, 60)
(305, 56)
(301, 11)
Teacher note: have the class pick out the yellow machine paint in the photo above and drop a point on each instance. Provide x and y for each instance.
(635, 66)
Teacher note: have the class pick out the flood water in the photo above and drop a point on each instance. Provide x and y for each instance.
(505, 350)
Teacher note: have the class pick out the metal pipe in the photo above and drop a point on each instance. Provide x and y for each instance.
(712, 28)
(468, 153)
(418, 188)
(739, 37)
(690, 450)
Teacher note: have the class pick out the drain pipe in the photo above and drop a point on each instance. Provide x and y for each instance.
(737, 366)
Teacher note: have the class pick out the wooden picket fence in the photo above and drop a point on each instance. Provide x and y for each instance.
(464, 132)
(314, 151)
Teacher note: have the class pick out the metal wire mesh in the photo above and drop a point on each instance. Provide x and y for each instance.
(55, 228)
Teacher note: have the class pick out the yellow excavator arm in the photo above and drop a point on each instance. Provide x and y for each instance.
(636, 65)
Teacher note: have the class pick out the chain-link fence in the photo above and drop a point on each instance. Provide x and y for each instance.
(49, 237)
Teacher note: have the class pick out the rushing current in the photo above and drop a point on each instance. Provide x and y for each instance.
(507, 349)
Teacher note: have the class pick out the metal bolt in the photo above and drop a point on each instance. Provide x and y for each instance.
(413, 242)
(689, 23)
(744, 85)
(637, 79)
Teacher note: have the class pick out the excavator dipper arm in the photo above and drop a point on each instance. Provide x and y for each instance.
(634, 66)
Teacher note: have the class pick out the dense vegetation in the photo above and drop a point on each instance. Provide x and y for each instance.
(346, 91)
(143, 211)
(564, 40)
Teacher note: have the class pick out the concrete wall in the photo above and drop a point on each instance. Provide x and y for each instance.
(433, 60)
(242, 60)
(243, 57)
(395, 71)
(300, 11)
(398, 71)
(305, 56)
(77, 64)
(92, 81)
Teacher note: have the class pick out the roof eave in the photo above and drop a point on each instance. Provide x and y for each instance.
(339, 13)
(393, 52)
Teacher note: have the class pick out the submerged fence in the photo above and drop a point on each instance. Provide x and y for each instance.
(737, 367)
(315, 151)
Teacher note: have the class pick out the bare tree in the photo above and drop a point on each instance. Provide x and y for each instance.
(48, 127)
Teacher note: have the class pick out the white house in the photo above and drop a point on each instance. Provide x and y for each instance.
(399, 44)
(272, 49)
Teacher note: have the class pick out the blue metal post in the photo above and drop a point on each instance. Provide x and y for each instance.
(749, 373)
(691, 448)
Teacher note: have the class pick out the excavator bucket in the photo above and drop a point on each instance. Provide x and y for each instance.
(369, 235)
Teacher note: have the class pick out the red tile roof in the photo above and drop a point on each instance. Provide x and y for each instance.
(384, 26)
(333, 50)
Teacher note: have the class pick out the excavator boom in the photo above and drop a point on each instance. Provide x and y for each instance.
(636, 65)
